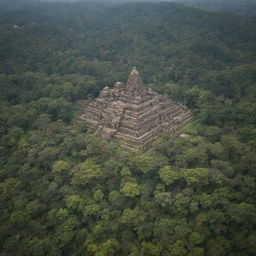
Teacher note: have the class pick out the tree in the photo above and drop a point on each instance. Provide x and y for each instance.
(197, 251)
(196, 176)
(75, 203)
(178, 248)
(87, 172)
(219, 246)
(165, 199)
(168, 176)
(116, 199)
(60, 166)
(109, 247)
(131, 217)
(242, 213)
(130, 189)
(195, 238)
(150, 249)
(146, 163)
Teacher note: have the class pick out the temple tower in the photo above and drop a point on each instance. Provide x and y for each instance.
(134, 84)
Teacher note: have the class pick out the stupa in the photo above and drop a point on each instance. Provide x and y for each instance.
(133, 114)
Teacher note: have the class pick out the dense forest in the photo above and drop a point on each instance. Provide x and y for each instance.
(66, 191)
(242, 7)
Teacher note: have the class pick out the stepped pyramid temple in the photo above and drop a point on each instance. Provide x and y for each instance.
(133, 114)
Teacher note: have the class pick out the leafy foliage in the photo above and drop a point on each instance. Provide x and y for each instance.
(64, 191)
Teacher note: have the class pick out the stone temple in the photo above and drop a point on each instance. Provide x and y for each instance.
(133, 114)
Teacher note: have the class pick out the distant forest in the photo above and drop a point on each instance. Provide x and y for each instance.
(242, 7)
(66, 191)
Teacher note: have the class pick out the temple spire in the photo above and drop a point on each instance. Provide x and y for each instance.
(134, 83)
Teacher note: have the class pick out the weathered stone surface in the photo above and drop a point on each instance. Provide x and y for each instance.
(133, 114)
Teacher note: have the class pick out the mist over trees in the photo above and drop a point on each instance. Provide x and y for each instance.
(241, 7)
(66, 191)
